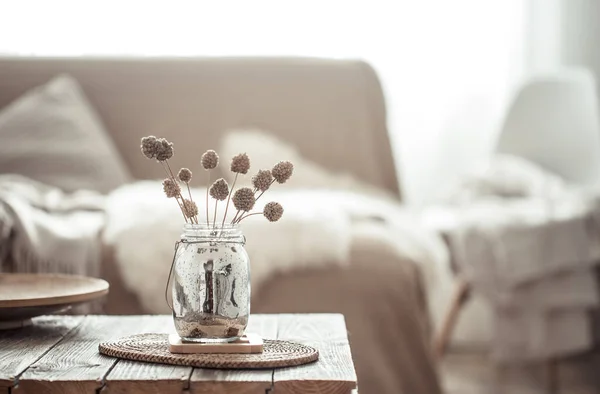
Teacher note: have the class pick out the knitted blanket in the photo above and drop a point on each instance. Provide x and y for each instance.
(43, 229)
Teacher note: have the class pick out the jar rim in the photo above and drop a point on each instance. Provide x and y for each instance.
(205, 226)
(213, 233)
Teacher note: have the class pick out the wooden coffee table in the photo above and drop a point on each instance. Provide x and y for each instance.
(59, 354)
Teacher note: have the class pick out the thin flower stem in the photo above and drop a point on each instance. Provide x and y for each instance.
(229, 198)
(263, 192)
(215, 217)
(190, 194)
(180, 195)
(250, 214)
(176, 199)
(207, 186)
(176, 181)
(235, 217)
(182, 210)
(169, 167)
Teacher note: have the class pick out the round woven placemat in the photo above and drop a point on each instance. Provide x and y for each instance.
(154, 348)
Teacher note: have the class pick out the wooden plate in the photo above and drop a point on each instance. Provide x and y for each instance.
(23, 296)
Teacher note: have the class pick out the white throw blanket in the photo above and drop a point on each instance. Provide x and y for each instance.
(315, 231)
(528, 243)
(43, 229)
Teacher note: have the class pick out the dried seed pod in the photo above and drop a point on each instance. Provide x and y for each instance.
(240, 163)
(185, 175)
(219, 189)
(171, 188)
(273, 211)
(262, 180)
(282, 171)
(190, 209)
(165, 150)
(150, 146)
(243, 199)
(210, 160)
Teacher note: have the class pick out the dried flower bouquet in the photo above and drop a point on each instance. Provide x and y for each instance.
(244, 198)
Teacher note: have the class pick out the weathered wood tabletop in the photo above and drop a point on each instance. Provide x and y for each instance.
(59, 354)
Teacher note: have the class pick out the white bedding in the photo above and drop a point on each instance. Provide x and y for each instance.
(527, 242)
(316, 230)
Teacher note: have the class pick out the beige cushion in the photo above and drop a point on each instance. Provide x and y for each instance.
(52, 135)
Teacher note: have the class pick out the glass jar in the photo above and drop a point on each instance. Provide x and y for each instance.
(211, 284)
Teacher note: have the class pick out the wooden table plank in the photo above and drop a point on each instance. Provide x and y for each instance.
(138, 377)
(74, 365)
(65, 359)
(333, 372)
(242, 381)
(312, 326)
(21, 348)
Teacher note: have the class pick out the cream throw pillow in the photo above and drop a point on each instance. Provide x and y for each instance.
(265, 150)
(53, 135)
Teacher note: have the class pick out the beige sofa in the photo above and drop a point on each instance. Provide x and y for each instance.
(334, 112)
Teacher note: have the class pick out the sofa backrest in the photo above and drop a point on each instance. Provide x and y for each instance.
(333, 111)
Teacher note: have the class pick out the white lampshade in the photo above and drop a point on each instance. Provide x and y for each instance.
(553, 121)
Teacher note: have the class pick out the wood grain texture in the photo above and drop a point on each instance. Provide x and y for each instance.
(137, 377)
(334, 372)
(74, 364)
(243, 381)
(312, 326)
(22, 347)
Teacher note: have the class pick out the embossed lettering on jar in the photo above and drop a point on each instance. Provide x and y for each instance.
(211, 284)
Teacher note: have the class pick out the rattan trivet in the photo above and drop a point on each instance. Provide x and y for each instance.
(154, 348)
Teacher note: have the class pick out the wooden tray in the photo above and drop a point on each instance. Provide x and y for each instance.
(23, 296)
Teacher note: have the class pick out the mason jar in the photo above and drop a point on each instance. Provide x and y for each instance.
(211, 284)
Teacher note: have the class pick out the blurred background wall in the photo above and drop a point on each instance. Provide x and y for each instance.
(448, 68)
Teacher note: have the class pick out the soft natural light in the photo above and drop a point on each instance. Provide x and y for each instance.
(438, 60)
